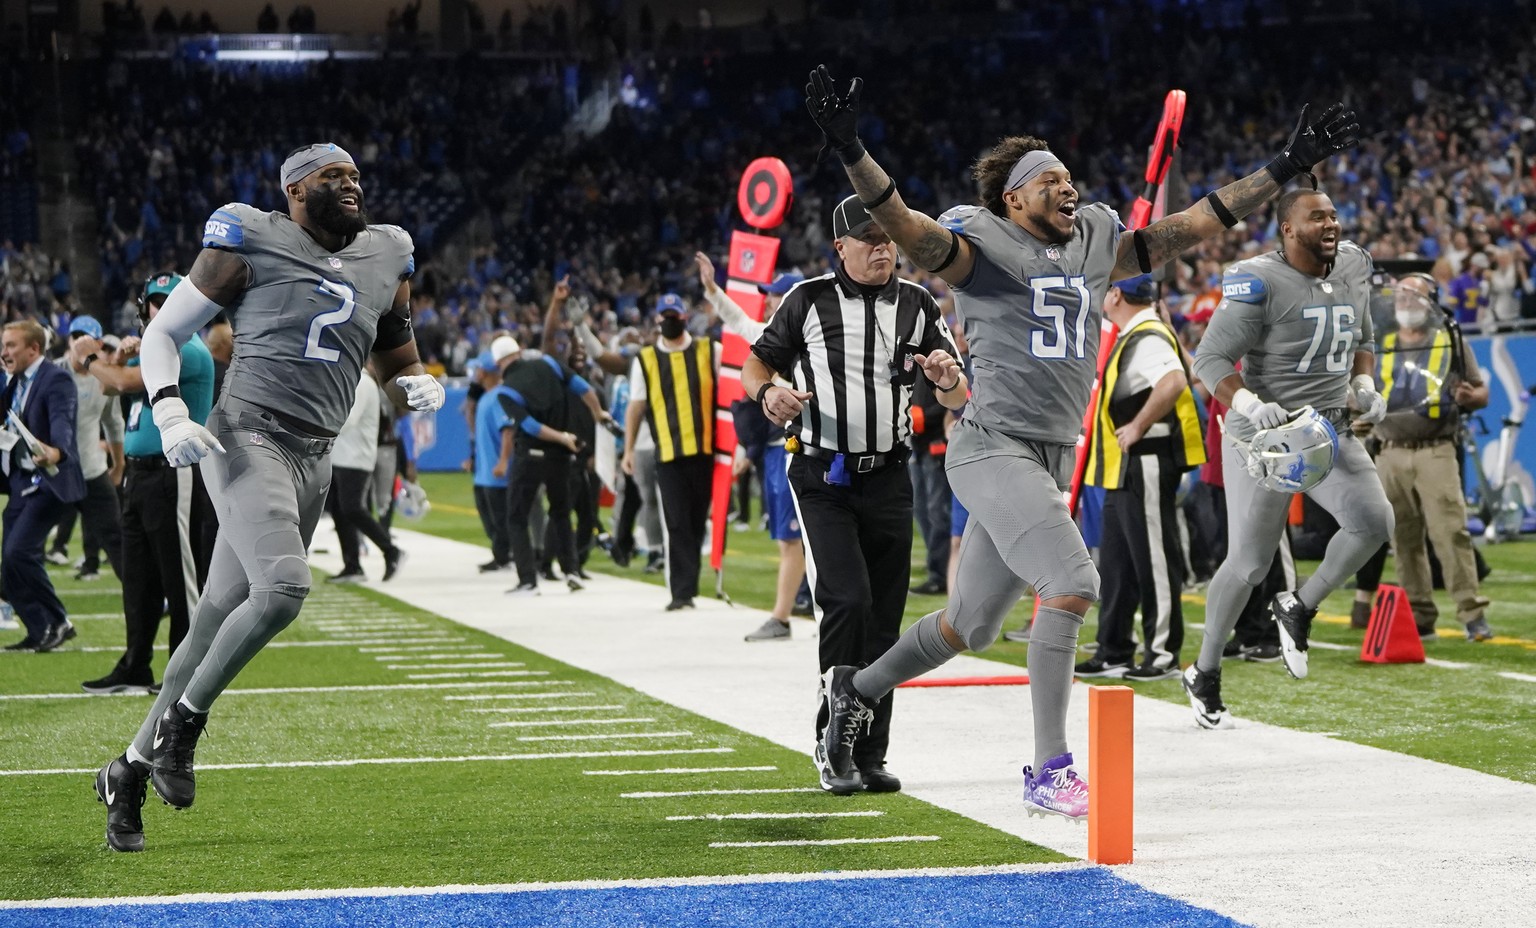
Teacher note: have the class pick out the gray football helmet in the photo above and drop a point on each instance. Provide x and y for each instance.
(1294, 457)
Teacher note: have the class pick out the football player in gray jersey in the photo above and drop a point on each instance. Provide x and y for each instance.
(1299, 320)
(1029, 268)
(311, 294)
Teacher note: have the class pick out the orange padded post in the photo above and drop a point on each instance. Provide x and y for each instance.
(1111, 768)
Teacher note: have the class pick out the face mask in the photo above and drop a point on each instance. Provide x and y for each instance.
(673, 327)
(1410, 320)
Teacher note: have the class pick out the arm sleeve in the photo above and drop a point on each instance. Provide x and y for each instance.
(783, 339)
(185, 312)
(512, 405)
(733, 317)
(1235, 327)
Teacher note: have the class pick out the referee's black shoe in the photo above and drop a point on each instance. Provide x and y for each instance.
(848, 718)
(877, 779)
(1295, 621)
(121, 786)
(171, 773)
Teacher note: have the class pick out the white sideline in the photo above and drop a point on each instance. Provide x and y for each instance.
(1266, 825)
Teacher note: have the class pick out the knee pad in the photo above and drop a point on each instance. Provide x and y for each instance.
(278, 607)
(1055, 628)
(288, 575)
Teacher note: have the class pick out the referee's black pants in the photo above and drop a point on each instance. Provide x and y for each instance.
(549, 468)
(351, 501)
(160, 537)
(858, 558)
(684, 489)
(1141, 560)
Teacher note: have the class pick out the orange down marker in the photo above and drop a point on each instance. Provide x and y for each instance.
(1111, 779)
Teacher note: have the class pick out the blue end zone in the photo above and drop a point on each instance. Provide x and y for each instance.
(1088, 897)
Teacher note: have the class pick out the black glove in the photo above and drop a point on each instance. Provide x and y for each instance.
(837, 117)
(1310, 143)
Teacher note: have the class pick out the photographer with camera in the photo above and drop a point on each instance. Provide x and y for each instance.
(853, 343)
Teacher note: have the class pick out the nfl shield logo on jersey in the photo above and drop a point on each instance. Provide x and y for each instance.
(334, 262)
(1053, 253)
(256, 438)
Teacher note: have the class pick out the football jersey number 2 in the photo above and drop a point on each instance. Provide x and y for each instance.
(312, 347)
(1067, 342)
(1336, 360)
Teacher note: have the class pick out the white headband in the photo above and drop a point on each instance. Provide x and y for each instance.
(306, 161)
(1031, 166)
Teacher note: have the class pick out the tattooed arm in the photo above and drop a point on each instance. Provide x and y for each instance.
(926, 242)
(1167, 238)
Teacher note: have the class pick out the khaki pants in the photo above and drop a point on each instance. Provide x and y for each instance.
(1424, 487)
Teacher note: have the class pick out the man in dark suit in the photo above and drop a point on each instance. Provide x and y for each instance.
(41, 480)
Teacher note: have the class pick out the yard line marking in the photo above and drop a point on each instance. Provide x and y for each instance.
(564, 695)
(394, 642)
(422, 635)
(412, 655)
(77, 616)
(368, 688)
(1522, 677)
(390, 761)
(568, 722)
(489, 673)
(734, 816)
(825, 842)
(1451, 665)
(669, 770)
(395, 648)
(608, 736)
(1330, 646)
(477, 664)
(510, 709)
(89, 590)
(677, 794)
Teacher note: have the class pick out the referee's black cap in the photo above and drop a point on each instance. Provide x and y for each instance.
(850, 218)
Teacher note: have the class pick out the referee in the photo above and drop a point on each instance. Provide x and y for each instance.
(853, 343)
(1146, 434)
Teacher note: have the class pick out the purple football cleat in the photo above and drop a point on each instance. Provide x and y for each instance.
(1058, 790)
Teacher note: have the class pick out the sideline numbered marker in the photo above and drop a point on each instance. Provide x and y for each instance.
(1111, 773)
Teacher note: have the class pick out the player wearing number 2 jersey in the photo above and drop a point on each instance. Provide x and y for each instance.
(311, 295)
(1030, 269)
(1299, 320)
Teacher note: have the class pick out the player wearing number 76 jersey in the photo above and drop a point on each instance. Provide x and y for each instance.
(1299, 320)
(311, 294)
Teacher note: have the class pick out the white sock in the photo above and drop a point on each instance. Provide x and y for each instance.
(182, 702)
(134, 757)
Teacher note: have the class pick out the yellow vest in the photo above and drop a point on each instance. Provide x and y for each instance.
(680, 399)
(1405, 391)
(1107, 461)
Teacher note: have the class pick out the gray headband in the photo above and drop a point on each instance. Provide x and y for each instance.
(1030, 167)
(310, 159)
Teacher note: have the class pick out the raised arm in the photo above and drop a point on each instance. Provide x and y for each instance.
(1139, 251)
(930, 246)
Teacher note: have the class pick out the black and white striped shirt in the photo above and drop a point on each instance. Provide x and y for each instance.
(840, 341)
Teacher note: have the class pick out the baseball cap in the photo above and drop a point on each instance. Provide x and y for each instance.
(86, 324)
(1139, 289)
(1480, 261)
(484, 361)
(161, 284)
(781, 283)
(671, 303)
(850, 218)
(1202, 315)
(501, 348)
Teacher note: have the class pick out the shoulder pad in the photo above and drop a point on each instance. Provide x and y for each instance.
(1107, 212)
(1354, 249)
(958, 219)
(1242, 286)
(226, 227)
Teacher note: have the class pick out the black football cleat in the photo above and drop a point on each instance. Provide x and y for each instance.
(830, 781)
(122, 786)
(176, 735)
(848, 717)
(877, 779)
(1295, 622)
(1204, 690)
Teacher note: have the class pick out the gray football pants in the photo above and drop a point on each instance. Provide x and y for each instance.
(1256, 517)
(269, 487)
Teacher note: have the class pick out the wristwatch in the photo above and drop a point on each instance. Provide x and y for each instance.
(86, 364)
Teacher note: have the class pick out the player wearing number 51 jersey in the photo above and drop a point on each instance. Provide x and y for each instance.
(1299, 321)
(1030, 268)
(311, 294)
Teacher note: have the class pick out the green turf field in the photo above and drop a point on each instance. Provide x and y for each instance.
(522, 813)
(1468, 716)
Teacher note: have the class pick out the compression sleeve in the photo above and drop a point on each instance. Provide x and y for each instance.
(185, 311)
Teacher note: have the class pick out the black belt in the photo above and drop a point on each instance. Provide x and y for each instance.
(1415, 444)
(146, 462)
(246, 415)
(857, 463)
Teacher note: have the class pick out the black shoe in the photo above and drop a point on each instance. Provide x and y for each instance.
(120, 785)
(1360, 615)
(26, 644)
(176, 735)
(393, 560)
(1204, 691)
(116, 682)
(56, 636)
(154, 689)
(490, 567)
(1262, 653)
(1099, 667)
(524, 589)
(347, 576)
(848, 717)
(621, 554)
(581, 574)
(574, 585)
(1151, 672)
(677, 604)
(830, 781)
(548, 573)
(803, 607)
(1295, 623)
(928, 588)
(877, 779)
(1234, 648)
(656, 564)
